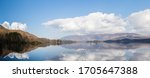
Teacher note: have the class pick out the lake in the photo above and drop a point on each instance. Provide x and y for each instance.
(76, 52)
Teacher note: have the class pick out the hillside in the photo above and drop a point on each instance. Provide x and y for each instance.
(21, 37)
(18, 36)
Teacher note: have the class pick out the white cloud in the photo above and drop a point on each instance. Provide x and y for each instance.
(18, 26)
(93, 23)
(140, 21)
(15, 26)
(6, 24)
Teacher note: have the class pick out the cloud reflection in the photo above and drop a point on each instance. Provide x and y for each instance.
(90, 55)
(108, 52)
(18, 55)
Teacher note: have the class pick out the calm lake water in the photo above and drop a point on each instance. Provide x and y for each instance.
(77, 52)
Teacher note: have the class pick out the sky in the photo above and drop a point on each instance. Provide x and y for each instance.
(58, 18)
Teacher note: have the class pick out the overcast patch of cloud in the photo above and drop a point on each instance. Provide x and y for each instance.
(14, 26)
(93, 23)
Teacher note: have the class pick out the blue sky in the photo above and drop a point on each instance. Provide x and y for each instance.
(36, 12)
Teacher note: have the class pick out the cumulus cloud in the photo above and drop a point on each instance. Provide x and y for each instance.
(18, 26)
(15, 25)
(6, 24)
(140, 21)
(93, 23)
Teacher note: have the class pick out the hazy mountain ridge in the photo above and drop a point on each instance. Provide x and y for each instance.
(117, 37)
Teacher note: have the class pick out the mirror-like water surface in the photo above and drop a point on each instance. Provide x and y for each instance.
(76, 52)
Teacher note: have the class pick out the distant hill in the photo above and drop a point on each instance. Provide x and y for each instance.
(117, 37)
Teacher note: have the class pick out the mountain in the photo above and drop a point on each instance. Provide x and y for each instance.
(108, 37)
(18, 36)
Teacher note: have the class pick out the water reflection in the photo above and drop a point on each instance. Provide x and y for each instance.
(17, 55)
(76, 52)
(16, 51)
(103, 45)
(107, 52)
(6, 49)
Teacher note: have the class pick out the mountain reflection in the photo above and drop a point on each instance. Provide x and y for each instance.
(104, 45)
(16, 49)
(106, 52)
